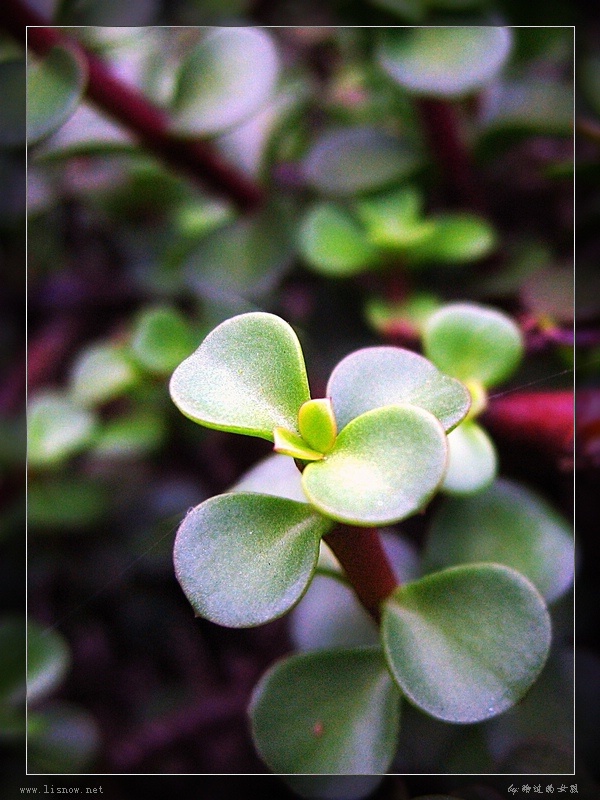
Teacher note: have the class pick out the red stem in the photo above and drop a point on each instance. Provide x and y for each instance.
(197, 159)
(363, 559)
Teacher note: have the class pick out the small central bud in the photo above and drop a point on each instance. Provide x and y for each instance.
(478, 399)
(290, 444)
(317, 425)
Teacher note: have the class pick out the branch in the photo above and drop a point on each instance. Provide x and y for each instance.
(150, 124)
(363, 559)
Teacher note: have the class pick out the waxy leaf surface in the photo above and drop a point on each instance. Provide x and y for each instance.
(381, 376)
(244, 559)
(472, 460)
(385, 465)
(466, 643)
(508, 524)
(332, 712)
(247, 376)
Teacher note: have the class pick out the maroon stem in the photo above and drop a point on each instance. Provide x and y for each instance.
(443, 129)
(363, 559)
(150, 124)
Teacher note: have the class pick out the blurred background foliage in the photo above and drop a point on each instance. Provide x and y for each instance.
(392, 174)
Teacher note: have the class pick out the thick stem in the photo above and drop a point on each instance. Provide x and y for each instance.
(443, 129)
(363, 559)
(197, 159)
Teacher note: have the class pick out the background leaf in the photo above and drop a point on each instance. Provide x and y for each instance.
(57, 428)
(101, 373)
(48, 660)
(381, 376)
(333, 712)
(454, 239)
(244, 559)
(511, 525)
(465, 644)
(247, 376)
(385, 465)
(444, 61)
(472, 460)
(161, 338)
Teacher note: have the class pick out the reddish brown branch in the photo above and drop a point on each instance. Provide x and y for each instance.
(363, 559)
(196, 159)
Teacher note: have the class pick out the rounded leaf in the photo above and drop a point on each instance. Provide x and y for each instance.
(453, 239)
(385, 465)
(317, 424)
(55, 85)
(247, 376)
(101, 373)
(244, 559)
(472, 461)
(508, 524)
(394, 219)
(444, 61)
(473, 343)
(161, 339)
(465, 644)
(348, 161)
(229, 76)
(48, 660)
(333, 242)
(382, 376)
(275, 474)
(57, 429)
(327, 712)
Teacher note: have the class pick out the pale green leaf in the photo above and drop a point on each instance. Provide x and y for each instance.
(453, 239)
(327, 712)
(55, 86)
(275, 474)
(472, 460)
(57, 428)
(467, 643)
(317, 424)
(290, 444)
(444, 61)
(228, 77)
(508, 524)
(161, 339)
(247, 376)
(473, 343)
(244, 559)
(381, 376)
(101, 373)
(394, 219)
(385, 465)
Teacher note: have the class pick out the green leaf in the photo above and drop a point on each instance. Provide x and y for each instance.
(444, 61)
(276, 475)
(385, 465)
(290, 444)
(247, 376)
(349, 161)
(473, 343)
(453, 239)
(130, 435)
(228, 77)
(317, 424)
(13, 120)
(328, 712)
(55, 87)
(57, 429)
(333, 243)
(381, 376)
(508, 524)
(404, 317)
(467, 643)
(472, 460)
(48, 661)
(244, 559)
(102, 372)
(161, 339)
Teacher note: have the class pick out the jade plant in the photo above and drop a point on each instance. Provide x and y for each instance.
(463, 643)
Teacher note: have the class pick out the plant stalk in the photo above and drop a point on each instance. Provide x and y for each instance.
(363, 559)
(197, 159)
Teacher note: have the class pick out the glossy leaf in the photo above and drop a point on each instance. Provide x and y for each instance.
(101, 373)
(57, 429)
(444, 61)
(385, 465)
(473, 343)
(247, 376)
(13, 120)
(244, 559)
(381, 376)
(467, 643)
(348, 161)
(472, 460)
(161, 339)
(276, 475)
(229, 76)
(55, 86)
(333, 242)
(508, 524)
(453, 239)
(333, 712)
(290, 444)
(317, 424)
(48, 660)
